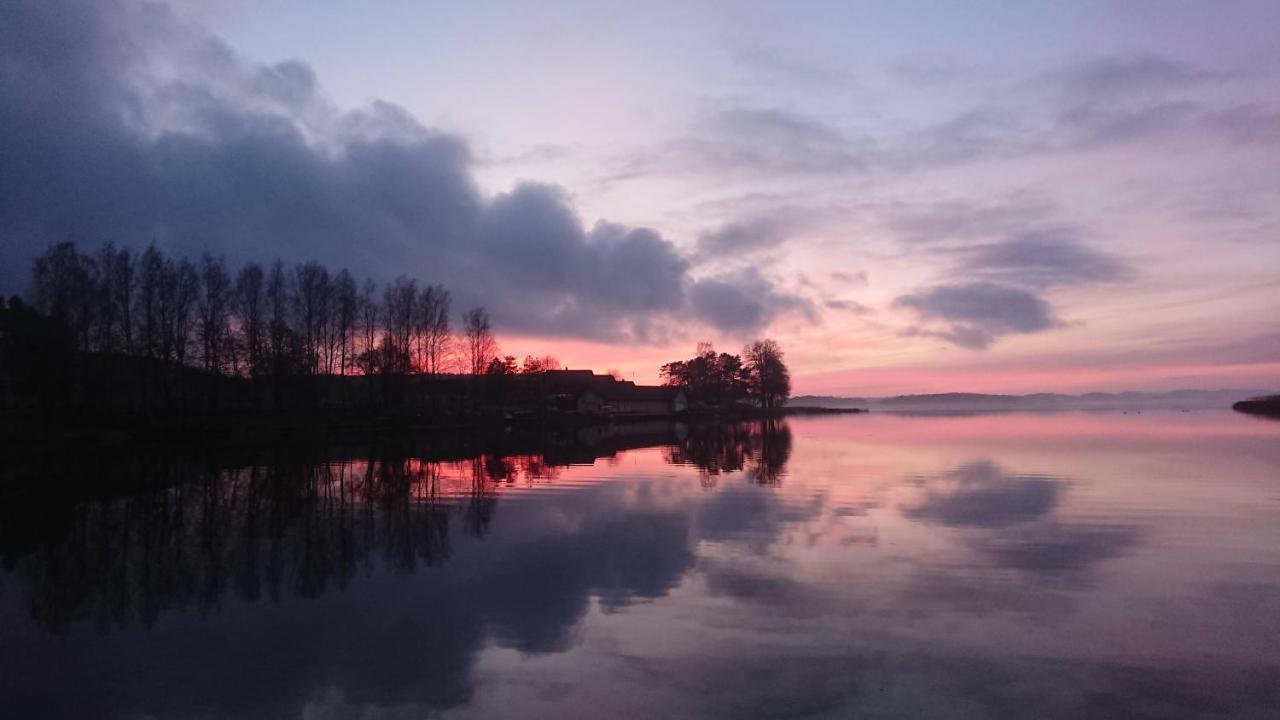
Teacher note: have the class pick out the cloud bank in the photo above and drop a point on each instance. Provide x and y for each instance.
(119, 121)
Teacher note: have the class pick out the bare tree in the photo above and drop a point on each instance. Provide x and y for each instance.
(150, 299)
(250, 302)
(186, 290)
(370, 319)
(346, 309)
(166, 312)
(400, 300)
(64, 285)
(106, 330)
(433, 327)
(534, 365)
(214, 306)
(119, 273)
(311, 307)
(278, 311)
(480, 344)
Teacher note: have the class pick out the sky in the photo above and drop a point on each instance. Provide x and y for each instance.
(909, 197)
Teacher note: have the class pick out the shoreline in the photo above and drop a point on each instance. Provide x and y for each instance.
(1268, 407)
(35, 434)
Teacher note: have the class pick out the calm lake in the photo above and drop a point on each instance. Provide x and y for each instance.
(1033, 565)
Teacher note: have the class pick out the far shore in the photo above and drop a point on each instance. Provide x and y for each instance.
(1268, 406)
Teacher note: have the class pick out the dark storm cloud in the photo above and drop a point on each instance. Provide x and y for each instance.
(743, 301)
(120, 122)
(975, 314)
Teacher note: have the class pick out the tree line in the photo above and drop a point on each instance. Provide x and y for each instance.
(757, 377)
(256, 321)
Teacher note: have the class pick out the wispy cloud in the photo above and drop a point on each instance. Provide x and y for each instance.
(1043, 259)
(974, 315)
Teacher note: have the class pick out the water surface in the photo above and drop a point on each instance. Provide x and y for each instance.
(1062, 565)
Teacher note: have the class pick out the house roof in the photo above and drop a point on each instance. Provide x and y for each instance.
(577, 382)
(630, 391)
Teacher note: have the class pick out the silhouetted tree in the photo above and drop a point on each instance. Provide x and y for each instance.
(480, 345)
(433, 329)
(184, 289)
(505, 365)
(347, 310)
(250, 303)
(278, 331)
(534, 365)
(113, 296)
(401, 302)
(768, 380)
(370, 322)
(213, 327)
(150, 299)
(311, 307)
(709, 378)
(279, 323)
(64, 283)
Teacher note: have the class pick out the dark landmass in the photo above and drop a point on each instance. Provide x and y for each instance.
(1268, 406)
(819, 410)
(948, 402)
(98, 400)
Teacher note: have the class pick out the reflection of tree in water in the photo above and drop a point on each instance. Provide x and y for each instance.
(760, 448)
(292, 527)
(297, 524)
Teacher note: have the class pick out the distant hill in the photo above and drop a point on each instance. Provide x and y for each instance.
(960, 401)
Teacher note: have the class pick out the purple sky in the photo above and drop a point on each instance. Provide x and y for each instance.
(909, 196)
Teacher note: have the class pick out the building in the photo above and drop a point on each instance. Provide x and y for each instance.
(584, 392)
(627, 398)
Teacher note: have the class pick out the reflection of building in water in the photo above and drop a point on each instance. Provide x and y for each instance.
(186, 531)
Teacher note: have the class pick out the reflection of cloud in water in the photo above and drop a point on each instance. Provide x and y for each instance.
(980, 494)
(859, 509)
(391, 639)
(752, 516)
(898, 682)
(1053, 547)
(1011, 519)
(758, 585)
(1010, 524)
